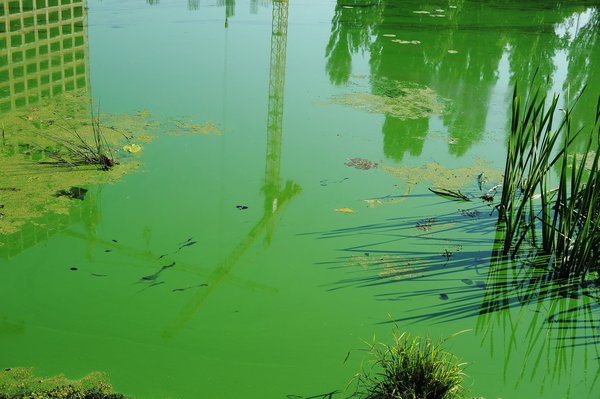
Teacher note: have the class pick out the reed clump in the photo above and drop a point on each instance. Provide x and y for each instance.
(411, 368)
(550, 204)
(79, 151)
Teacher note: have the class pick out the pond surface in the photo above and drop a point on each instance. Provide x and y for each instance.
(271, 279)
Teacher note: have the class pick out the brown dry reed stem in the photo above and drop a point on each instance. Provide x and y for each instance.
(410, 368)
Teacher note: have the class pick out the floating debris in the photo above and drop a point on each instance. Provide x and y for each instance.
(440, 176)
(490, 194)
(399, 41)
(450, 194)
(425, 224)
(389, 35)
(421, 12)
(361, 163)
(446, 254)
(132, 148)
(143, 114)
(452, 52)
(481, 180)
(72, 193)
(326, 182)
(187, 244)
(187, 288)
(184, 127)
(241, 207)
(372, 203)
(73, 269)
(154, 276)
(472, 213)
(467, 281)
(444, 297)
(344, 210)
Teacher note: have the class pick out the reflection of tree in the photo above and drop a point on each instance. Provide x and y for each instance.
(401, 136)
(229, 7)
(584, 60)
(193, 5)
(465, 78)
(351, 31)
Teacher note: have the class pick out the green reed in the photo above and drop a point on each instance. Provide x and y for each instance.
(411, 368)
(81, 151)
(559, 222)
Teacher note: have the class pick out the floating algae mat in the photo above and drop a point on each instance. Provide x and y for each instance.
(36, 143)
(22, 383)
(447, 178)
(402, 100)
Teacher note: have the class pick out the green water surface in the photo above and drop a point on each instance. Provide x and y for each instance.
(270, 299)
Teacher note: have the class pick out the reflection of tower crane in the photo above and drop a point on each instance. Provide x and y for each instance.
(275, 112)
(275, 196)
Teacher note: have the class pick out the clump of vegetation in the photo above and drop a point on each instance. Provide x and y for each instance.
(401, 100)
(20, 383)
(411, 368)
(80, 152)
(556, 215)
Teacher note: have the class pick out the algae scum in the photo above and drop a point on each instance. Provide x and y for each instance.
(228, 199)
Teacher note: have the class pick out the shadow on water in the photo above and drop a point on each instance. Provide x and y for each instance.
(519, 307)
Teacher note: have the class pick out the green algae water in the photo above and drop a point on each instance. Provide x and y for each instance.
(256, 257)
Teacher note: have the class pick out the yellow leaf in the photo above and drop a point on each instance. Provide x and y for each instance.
(344, 210)
(133, 148)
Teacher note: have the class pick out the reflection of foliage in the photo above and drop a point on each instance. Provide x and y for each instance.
(229, 7)
(401, 136)
(564, 325)
(351, 32)
(583, 55)
(480, 38)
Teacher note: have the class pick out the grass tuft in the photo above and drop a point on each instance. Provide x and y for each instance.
(410, 368)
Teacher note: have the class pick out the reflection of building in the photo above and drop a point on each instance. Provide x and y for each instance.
(42, 50)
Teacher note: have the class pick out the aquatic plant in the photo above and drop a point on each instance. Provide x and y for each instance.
(564, 228)
(80, 152)
(411, 368)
